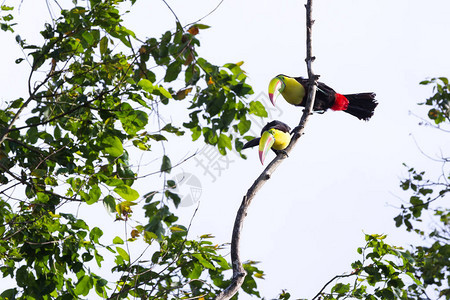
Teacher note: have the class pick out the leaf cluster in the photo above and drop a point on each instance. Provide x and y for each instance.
(440, 100)
(93, 89)
(6, 18)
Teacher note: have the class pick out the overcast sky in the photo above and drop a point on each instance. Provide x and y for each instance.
(341, 180)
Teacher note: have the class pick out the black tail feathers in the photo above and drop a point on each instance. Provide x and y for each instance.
(361, 105)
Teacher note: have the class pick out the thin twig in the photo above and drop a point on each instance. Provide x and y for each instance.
(207, 15)
(331, 280)
(33, 93)
(238, 269)
(174, 14)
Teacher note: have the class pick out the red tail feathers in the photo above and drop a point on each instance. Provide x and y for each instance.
(341, 102)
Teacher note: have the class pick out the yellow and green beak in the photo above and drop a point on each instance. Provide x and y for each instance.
(276, 86)
(265, 143)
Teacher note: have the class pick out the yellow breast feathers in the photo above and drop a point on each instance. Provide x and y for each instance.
(293, 92)
(282, 139)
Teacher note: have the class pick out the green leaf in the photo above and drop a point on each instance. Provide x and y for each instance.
(215, 105)
(132, 120)
(104, 45)
(22, 276)
(171, 184)
(164, 92)
(112, 146)
(414, 278)
(176, 228)
(196, 271)
(172, 129)
(157, 137)
(146, 85)
(38, 60)
(244, 126)
(9, 294)
(94, 194)
(126, 192)
(203, 261)
(95, 234)
(98, 258)
(172, 71)
(202, 26)
(175, 198)
(123, 34)
(149, 237)
(224, 141)
(88, 37)
(123, 254)
(117, 240)
(415, 201)
(398, 220)
(166, 165)
(444, 80)
(196, 133)
(341, 288)
(83, 286)
(258, 109)
(386, 294)
(7, 8)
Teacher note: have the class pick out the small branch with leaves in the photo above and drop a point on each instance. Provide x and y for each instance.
(238, 269)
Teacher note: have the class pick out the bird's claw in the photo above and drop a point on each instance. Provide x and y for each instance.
(283, 152)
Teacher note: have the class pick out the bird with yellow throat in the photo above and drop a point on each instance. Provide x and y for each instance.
(275, 135)
(295, 91)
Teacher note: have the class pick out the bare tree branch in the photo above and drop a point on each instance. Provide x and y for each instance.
(174, 14)
(238, 269)
(207, 15)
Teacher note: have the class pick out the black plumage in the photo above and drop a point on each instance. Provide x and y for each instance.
(360, 105)
(275, 125)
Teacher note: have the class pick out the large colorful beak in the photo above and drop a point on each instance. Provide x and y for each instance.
(276, 86)
(265, 143)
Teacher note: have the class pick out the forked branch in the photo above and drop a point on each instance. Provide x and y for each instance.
(238, 269)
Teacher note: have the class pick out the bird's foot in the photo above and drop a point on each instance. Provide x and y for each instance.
(282, 152)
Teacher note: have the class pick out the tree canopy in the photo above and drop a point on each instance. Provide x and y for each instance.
(93, 86)
(98, 94)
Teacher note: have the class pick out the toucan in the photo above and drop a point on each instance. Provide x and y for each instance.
(275, 135)
(295, 91)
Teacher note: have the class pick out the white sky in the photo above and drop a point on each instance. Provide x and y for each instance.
(342, 178)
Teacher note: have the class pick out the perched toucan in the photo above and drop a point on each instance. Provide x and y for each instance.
(275, 135)
(295, 91)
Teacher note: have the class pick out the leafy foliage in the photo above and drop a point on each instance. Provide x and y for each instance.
(6, 18)
(93, 88)
(422, 272)
(440, 100)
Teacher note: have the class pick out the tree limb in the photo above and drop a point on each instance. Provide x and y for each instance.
(238, 269)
